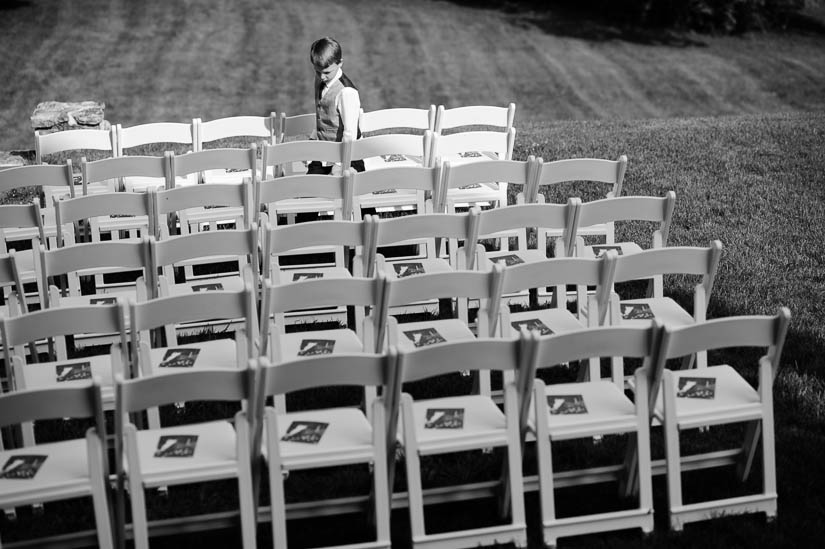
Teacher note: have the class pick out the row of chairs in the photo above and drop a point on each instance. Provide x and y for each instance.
(275, 128)
(533, 412)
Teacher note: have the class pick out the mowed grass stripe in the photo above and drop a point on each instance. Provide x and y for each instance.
(161, 61)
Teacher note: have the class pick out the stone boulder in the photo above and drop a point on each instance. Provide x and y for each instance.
(53, 116)
(9, 160)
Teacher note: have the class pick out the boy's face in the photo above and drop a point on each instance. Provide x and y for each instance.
(325, 74)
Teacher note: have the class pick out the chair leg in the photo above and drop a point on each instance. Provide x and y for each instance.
(673, 459)
(752, 431)
(100, 493)
(246, 495)
(416, 496)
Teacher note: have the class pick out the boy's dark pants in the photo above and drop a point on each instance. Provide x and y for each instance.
(317, 168)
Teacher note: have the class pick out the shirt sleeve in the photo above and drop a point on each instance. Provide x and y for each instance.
(350, 108)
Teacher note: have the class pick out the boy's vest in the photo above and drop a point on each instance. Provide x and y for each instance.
(328, 122)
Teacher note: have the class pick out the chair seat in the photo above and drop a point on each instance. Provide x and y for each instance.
(110, 223)
(663, 309)
(347, 438)
(307, 205)
(515, 257)
(67, 373)
(391, 161)
(214, 354)
(223, 215)
(411, 335)
(214, 456)
(546, 321)
(292, 274)
(483, 424)
(318, 342)
(63, 474)
(232, 283)
(733, 400)
(416, 266)
(622, 248)
(592, 408)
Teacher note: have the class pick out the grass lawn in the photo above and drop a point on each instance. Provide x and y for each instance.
(735, 125)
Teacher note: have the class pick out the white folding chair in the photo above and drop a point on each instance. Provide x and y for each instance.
(364, 295)
(292, 195)
(624, 208)
(390, 152)
(108, 174)
(556, 181)
(240, 246)
(177, 137)
(179, 315)
(22, 230)
(126, 261)
(64, 368)
(58, 470)
(402, 293)
(183, 454)
(47, 181)
(428, 233)
(464, 423)
(595, 408)
(474, 146)
(475, 115)
(384, 121)
(297, 252)
(716, 395)
(76, 145)
(14, 301)
(404, 188)
(227, 132)
(327, 437)
(461, 180)
(300, 126)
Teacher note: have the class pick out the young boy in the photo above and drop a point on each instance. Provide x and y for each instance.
(337, 103)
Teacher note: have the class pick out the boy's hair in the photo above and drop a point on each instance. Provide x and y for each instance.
(325, 51)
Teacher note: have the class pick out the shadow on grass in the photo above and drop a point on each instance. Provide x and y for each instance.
(8, 5)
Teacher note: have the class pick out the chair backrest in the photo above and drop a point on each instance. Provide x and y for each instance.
(474, 115)
(316, 293)
(213, 195)
(57, 322)
(417, 178)
(415, 146)
(79, 401)
(333, 187)
(133, 395)
(57, 180)
(737, 331)
(285, 153)
(544, 218)
(397, 118)
(454, 227)
(21, 216)
(104, 256)
(560, 272)
(474, 145)
(297, 125)
(636, 341)
(213, 159)
(630, 208)
(461, 285)
(686, 260)
(235, 126)
(116, 168)
(89, 207)
(288, 239)
(74, 140)
(581, 169)
(167, 312)
(181, 133)
(240, 243)
(514, 172)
